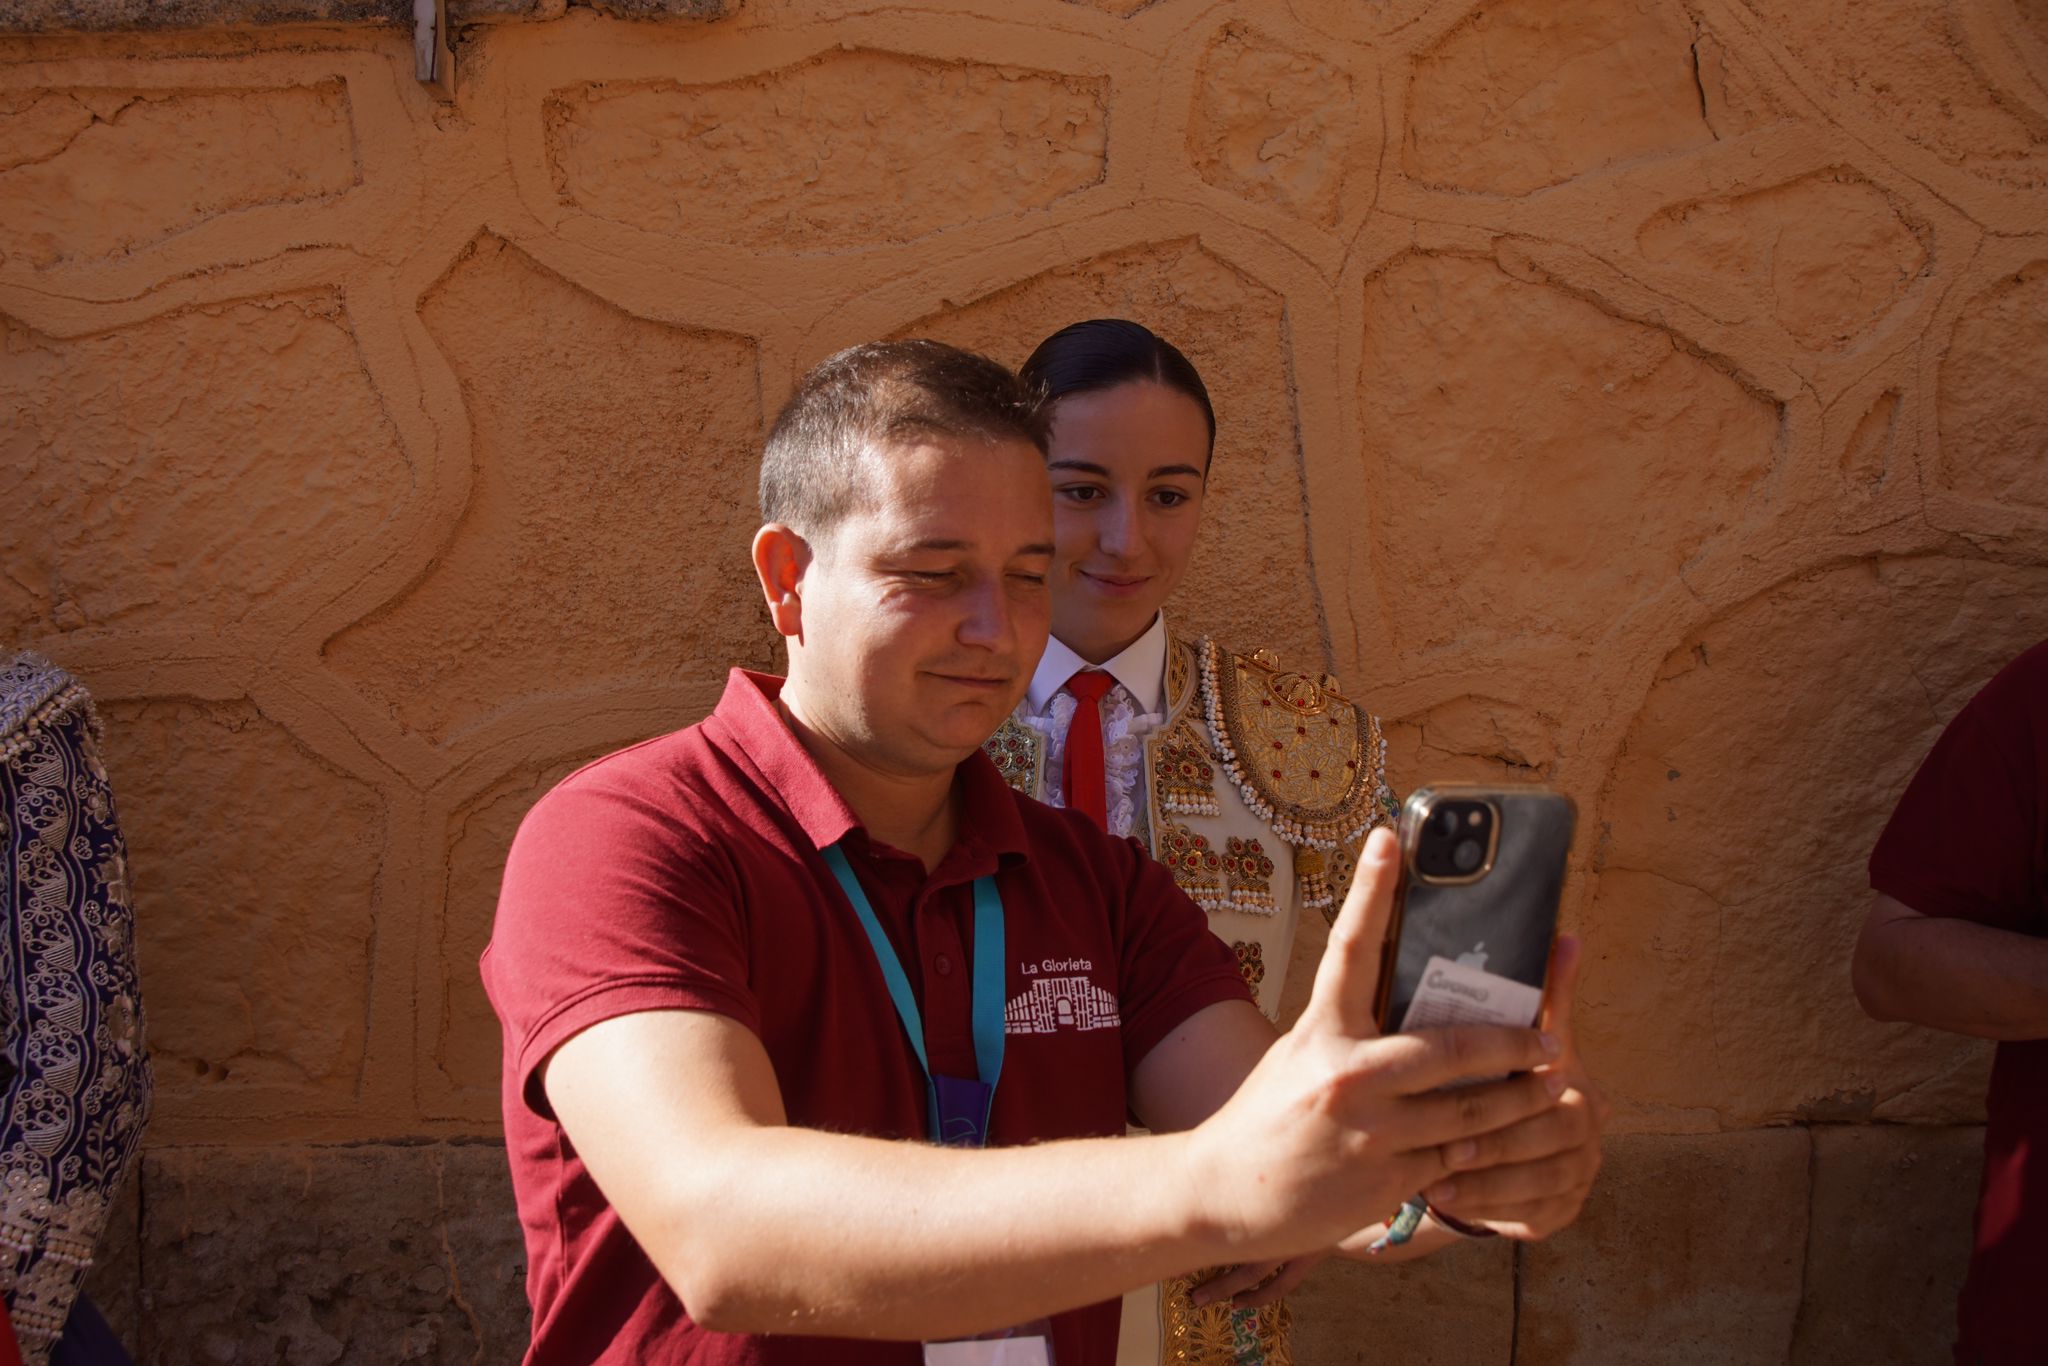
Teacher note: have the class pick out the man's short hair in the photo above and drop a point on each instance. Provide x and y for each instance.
(874, 397)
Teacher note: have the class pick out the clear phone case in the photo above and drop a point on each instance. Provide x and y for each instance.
(1499, 917)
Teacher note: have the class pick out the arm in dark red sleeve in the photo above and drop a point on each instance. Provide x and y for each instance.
(610, 906)
(1171, 965)
(1962, 842)
(1957, 938)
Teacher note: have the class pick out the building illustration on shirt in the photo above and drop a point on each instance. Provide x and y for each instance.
(1051, 1004)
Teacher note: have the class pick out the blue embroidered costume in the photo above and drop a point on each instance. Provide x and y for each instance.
(76, 1075)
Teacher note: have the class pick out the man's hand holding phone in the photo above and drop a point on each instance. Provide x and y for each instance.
(1532, 1178)
(1338, 1124)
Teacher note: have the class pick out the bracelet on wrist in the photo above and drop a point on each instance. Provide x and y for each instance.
(1401, 1224)
(1460, 1227)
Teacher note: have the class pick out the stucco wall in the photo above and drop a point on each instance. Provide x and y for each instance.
(1647, 395)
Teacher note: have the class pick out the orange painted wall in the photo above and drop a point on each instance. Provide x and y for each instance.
(1648, 395)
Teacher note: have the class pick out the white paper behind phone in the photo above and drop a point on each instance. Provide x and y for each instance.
(1452, 993)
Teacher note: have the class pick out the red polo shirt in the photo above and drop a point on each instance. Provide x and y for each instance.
(1970, 840)
(684, 874)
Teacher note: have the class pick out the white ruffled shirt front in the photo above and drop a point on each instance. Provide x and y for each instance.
(1131, 710)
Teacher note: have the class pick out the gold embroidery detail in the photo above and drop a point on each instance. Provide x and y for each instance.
(1220, 1335)
(1014, 749)
(1240, 878)
(1197, 869)
(1312, 874)
(1251, 961)
(1306, 760)
(1250, 870)
(1183, 773)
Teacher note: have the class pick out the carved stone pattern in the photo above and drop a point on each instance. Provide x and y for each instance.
(1639, 395)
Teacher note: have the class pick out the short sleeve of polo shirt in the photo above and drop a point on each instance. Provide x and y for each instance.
(1173, 965)
(1965, 840)
(610, 906)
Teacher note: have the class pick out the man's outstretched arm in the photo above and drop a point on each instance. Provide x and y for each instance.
(1952, 974)
(763, 1227)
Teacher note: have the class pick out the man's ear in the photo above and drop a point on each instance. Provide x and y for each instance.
(780, 559)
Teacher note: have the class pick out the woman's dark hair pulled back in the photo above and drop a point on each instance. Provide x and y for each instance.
(1102, 353)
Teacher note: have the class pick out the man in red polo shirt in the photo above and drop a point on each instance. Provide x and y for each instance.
(746, 971)
(1958, 940)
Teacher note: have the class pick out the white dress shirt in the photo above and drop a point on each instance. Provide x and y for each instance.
(1131, 710)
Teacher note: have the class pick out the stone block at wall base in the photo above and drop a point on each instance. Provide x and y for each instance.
(1891, 1231)
(328, 1256)
(1834, 1244)
(1456, 1308)
(1691, 1250)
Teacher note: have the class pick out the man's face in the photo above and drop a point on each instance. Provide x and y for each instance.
(925, 611)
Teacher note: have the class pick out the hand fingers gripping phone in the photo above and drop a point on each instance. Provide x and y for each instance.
(1482, 870)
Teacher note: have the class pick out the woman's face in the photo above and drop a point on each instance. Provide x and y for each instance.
(1128, 466)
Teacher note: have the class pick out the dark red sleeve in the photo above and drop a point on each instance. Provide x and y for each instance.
(609, 906)
(1964, 842)
(1172, 964)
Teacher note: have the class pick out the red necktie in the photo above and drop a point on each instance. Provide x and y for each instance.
(1081, 777)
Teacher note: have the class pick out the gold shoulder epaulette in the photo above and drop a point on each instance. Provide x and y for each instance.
(1017, 751)
(1305, 758)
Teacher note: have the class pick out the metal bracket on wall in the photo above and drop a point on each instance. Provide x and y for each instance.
(433, 59)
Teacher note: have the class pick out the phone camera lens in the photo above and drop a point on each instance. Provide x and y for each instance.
(1466, 854)
(1447, 821)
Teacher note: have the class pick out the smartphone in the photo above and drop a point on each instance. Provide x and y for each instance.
(1475, 912)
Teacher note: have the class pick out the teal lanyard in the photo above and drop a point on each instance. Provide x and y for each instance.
(988, 979)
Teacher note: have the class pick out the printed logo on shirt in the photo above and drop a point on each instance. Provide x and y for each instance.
(1059, 997)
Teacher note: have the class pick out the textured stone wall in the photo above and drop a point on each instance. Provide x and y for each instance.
(1646, 395)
